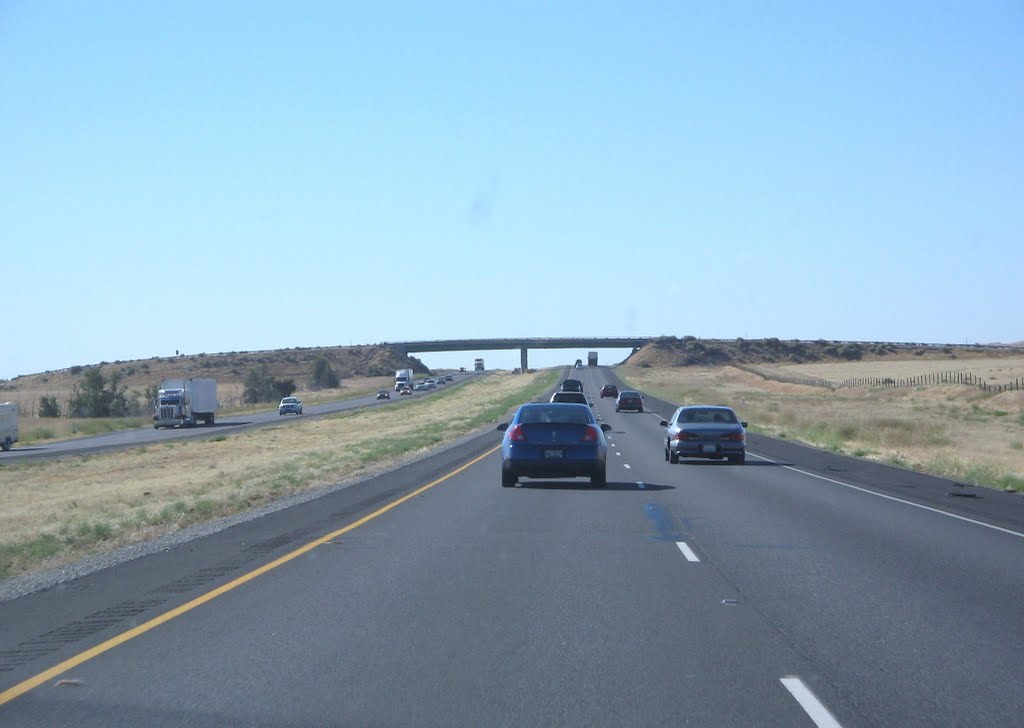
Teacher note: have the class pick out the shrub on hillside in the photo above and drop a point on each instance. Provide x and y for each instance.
(260, 386)
(48, 407)
(99, 396)
(324, 376)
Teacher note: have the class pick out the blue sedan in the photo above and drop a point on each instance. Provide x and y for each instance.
(553, 440)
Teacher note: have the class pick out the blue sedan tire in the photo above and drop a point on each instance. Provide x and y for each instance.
(508, 479)
(599, 479)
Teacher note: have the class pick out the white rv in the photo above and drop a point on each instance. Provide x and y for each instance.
(8, 425)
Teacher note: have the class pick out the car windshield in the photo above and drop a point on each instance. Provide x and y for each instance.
(707, 416)
(534, 414)
(627, 394)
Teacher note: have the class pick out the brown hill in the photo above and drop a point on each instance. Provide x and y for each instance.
(670, 351)
(347, 362)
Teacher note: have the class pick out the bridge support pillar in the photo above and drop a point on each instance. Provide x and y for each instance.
(522, 360)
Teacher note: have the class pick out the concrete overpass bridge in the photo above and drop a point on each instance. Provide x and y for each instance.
(523, 344)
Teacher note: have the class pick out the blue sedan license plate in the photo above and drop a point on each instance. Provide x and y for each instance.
(554, 454)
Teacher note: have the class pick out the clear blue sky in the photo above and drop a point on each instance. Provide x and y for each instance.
(221, 176)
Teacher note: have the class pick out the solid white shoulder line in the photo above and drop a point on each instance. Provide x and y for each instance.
(894, 498)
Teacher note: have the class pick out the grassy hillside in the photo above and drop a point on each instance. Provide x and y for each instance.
(360, 368)
(670, 351)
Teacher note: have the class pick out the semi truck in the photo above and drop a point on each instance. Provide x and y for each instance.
(478, 365)
(591, 358)
(185, 403)
(8, 425)
(402, 378)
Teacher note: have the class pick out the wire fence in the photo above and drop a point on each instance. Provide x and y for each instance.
(935, 378)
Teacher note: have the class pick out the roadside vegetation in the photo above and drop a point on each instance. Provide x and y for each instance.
(56, 511)
(117, 395)
(952, 431)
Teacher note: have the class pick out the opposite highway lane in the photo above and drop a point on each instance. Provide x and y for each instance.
(697, 594)
(147, 436)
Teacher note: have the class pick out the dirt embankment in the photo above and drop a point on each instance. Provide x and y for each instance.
(346, 361)
(689, 351)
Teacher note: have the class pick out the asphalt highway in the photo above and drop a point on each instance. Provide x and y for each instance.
(697, 594)
(148, 436)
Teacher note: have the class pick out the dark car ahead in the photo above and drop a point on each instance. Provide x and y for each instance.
(572, 385)
(383, 394)
(629, 400)
(553, 440)
(572, 397)
(703, 431)
(609, 390)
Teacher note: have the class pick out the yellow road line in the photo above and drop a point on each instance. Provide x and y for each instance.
(47, 675)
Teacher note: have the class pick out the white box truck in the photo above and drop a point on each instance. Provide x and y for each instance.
(8, 425)
(185, 403)
(478, 365)
(591, 358)
(402, 377)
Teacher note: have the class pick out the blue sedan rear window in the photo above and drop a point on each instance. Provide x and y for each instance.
(567, 415)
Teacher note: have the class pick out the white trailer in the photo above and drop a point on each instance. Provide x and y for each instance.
(185, 403)
(8, 425)
(402, 378)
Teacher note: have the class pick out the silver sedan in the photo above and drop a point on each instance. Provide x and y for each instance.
(705, 431)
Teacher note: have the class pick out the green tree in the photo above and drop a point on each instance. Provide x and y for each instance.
(99, 396)
(48, 407)
(260, 386)
(324, 376)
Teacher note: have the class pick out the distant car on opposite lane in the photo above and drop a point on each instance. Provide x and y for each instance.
(629, 400)
(290, 406)
(609, 390)
(705, 431)
(383, 394)
(554, 440)
(406, 389)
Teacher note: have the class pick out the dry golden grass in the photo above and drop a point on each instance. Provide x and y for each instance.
(955, 431)
(995, 371)
(34, 429)
(55, 511)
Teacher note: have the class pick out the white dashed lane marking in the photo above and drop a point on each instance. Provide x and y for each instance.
(810, 703)
(626, 466)
(687, 551)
